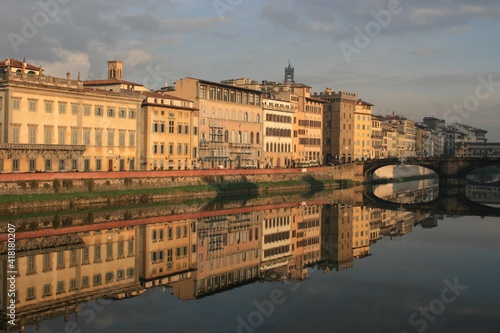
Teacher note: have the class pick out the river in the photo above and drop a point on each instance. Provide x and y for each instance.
(311, 263)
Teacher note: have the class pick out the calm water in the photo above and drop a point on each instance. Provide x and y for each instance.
(298, 267)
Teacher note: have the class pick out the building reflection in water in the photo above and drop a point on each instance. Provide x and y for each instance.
(195, 257)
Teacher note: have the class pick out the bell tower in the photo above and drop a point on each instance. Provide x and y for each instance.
(289, 73)
(115, 69)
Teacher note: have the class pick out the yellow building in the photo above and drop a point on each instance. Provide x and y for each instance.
(361, 231)
(336, 236)
(362, 130)
(170, 132)
(230, 122)
(55, 124)
(58, 274)
(377, 138)
(306, 238)
(278, 131)
(168, 249)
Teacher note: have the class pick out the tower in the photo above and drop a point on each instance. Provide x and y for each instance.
(289, 72)
(115, 69)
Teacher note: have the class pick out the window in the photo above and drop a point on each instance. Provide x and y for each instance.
(47, 263)
(131, 139)
(120, 274)
(111, 137)
(32, 105)
(46, 290)
(203, 91)
(130, 272)
(30, 293)
(72, 284)
(62, 136)
(131, 114)
(109, 252)
(98, 137)
(171, 126)
(16, 104)
(111, 112)
(121, 250)
(97, 253)
(32, 134)
(86, 110)
(15, 134)
(60, 287)
(130, 248)
(122, 113)
(62, 108)
(97, 279)
(121, 138)
(31, 265)
(74, 109)
(60, 260)
(74, 136)
(110, 277)
(85, 282)
(48, 107)
(72, 258)
(85, 256)
(98, 111)
(48, 135)
(86, 136)
(48, 164)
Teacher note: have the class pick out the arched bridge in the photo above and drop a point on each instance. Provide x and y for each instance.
(451, 170)
(450, 201)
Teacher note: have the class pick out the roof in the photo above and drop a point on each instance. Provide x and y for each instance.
(109, 82)
(18, 64)
(162, 95)
(223, 84)
(361, 102)
(299, 85)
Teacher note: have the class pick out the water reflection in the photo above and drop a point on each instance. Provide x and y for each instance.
(417, 191)
(195, 254)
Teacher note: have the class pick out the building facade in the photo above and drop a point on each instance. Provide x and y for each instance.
(55, 124)
(230, 123)
(338, 129)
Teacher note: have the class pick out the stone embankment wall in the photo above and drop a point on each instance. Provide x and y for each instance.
(71, 182)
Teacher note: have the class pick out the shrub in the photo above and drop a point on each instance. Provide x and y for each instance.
(56, 184)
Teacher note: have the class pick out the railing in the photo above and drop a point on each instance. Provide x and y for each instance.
(29, 146)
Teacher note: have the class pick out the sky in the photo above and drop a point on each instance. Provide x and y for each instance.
(415, 58)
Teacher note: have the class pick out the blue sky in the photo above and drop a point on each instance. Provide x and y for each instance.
(422, 60)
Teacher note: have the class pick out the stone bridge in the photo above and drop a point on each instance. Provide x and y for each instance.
(451, 170)
(450, 201)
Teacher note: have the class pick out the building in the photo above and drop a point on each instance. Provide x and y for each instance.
(362, 130)
(477, 149)
(338, 129)
(278, 129)
(230, 122)
(170, 132)
(56, 124)
(377, 138)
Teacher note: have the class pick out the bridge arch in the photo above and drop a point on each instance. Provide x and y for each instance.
(371, 166)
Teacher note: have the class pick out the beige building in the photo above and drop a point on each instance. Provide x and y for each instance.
(362, 130)
(361, 231)
(230, 122)
(55, 124)
(170, 132)
(377, 138)
(338, 127)
(306, 239)
(336, 236)
(278, 132)
(58, 274)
